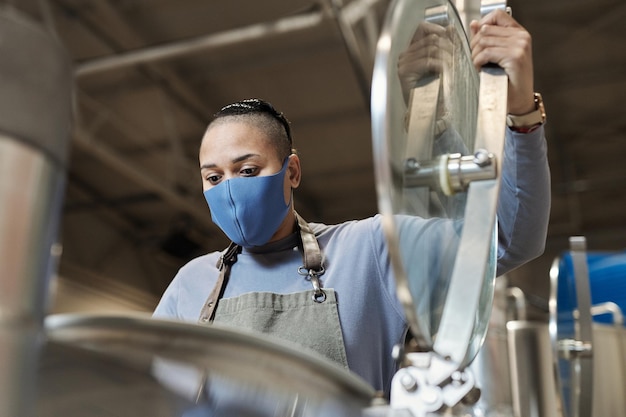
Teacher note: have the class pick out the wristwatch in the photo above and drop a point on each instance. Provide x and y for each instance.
(530, 121)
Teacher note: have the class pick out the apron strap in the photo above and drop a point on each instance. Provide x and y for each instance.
(312, 269)
(312, 255)
(312, 259)
(224, 263)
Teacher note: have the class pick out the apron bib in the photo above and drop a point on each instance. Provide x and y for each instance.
(308, 318)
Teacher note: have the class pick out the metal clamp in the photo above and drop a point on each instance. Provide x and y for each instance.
(319, 296)
(450, 173)
(412, 387)
(570, 349)
(609, 307)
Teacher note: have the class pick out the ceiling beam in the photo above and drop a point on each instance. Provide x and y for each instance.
(360, 60)
(84, 141)
(355, 11)
(201, 43)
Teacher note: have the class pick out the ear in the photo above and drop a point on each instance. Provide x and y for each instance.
(294, 172)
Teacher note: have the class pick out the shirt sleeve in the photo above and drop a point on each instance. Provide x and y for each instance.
(524, 203)
(184, 297)
(167, 305)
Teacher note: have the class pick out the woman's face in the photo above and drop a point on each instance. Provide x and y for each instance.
(234, 148)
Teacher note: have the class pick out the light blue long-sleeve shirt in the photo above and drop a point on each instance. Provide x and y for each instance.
(358, 267)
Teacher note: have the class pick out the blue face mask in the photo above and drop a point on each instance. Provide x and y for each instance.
(249, 210)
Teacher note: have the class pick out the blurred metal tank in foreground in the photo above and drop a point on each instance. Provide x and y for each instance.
(35, 119)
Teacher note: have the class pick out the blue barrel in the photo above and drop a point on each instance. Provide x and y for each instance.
(607, 282)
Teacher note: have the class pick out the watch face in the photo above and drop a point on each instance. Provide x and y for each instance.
(540, 106)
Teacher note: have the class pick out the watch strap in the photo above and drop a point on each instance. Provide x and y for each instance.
(528, 120)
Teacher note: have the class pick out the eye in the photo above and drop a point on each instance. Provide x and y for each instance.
(248, 171)
(213, 179)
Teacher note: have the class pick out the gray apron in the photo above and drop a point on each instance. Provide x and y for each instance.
(307, 318)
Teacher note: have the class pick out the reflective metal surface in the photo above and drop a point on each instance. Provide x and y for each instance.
(570, 329)
(35, 114)
(30, 200)
(609, 370)
(124, 361)
(587, 298)
(535, 389)
(31, 188)
(532, 372)
(491, 366)
(438, 153)
(37, 84)
(425, 112)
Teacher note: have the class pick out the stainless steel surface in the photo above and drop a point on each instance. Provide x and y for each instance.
(385, 95)
(609, 370)
(77, 382)
(492, 372)
(417, 116)
(532, 370)
(571, 331)
(242, 370)
(31, 194)
(412, 390)
(585, 287)
(308, 75)
(534, 376)
(19, 349)
(35, 113)
(609, 307)
(450, 173)
(102, 28)
(399, 138)
(582, 363)
(474, 267)
(491, 367)
(37, 86)
(609, 362)
(30, 201)
(487, 6)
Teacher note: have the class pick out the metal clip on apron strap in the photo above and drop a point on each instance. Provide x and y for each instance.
(224, 263)
(312, 258)
(312, 269)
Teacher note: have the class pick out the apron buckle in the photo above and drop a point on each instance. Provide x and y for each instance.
(319, 296)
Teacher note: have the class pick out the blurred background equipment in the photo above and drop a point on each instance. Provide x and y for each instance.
(147, 75)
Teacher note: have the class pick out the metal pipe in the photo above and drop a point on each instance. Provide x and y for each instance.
(519, 301)
(609, 308)
(199, 44)
(106, 155)
(353, 12)
(352, 48)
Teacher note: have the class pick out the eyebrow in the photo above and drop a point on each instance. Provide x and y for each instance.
(234, 161)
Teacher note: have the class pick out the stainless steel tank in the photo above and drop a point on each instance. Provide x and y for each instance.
(609, 370)
(82, 366)
(35, 116)
(588, 295)
(532, 370)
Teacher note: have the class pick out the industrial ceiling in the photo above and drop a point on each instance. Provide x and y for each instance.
(149, 73)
